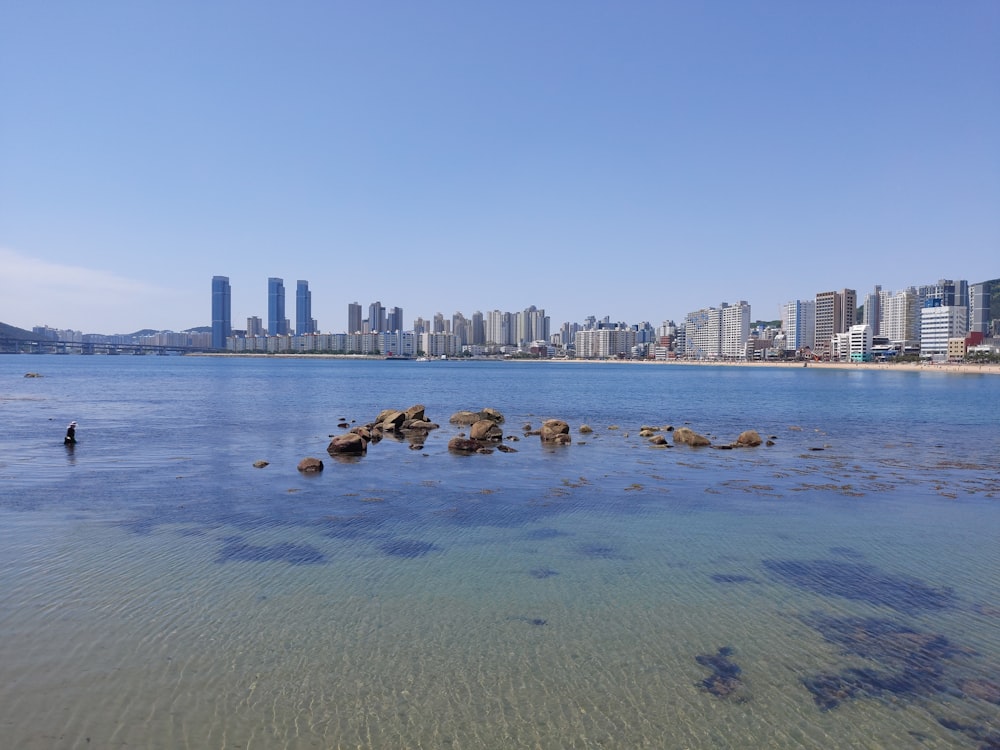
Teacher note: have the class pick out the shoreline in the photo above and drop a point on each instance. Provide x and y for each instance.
(964, 368)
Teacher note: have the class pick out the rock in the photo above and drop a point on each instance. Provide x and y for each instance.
(687, 436)
(658, 440)
(350, 443)
(32, 375)
(393, 421)
(668, 428)
(650, 428)
(645, 432)
(554, 431)
(526, 427)
(769, 443)
(383, 414)
(363, 432)
(420, 424)
(415, 412)
(748, 439)
(493, 414)
(586, 429)
(260, 464)
(486, 429)
(310, 465)
(463, 445)
(469, 417)
(464, 417)
(506, 449)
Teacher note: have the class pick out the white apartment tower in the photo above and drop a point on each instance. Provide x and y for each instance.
(798, 321)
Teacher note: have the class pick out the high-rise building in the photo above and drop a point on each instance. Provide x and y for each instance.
(222, 311)
(938, 323)
(798, 322)
(499, 328)
(871, 312)
(276, 322)
(255, 326)
(394, 320)
(303, 309)
(478, 335)
(354, 317)
(901, 318)
(602, 343)
(835, 313)
(703, 331)
(984, 307)
(735, 330)
(376, 317)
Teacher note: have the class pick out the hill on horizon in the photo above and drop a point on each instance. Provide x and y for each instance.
(13, 332)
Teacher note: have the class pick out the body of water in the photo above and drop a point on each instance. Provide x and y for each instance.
(839, 588)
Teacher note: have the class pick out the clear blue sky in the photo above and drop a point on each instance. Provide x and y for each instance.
(632, 159)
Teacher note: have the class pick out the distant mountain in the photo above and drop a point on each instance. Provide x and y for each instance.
(198, 329)
(12, 332)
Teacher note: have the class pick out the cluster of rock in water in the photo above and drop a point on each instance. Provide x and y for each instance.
(485, 434)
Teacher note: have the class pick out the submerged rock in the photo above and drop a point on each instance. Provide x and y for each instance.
(748, 439)
(260, 464)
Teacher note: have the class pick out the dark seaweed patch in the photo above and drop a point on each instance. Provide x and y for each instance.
(911, 662)
(725, 680)
(535, 621)
(989, 738)
(732, 578)
(861, 582)
(236, 550)
(542, 573)
(407, 548)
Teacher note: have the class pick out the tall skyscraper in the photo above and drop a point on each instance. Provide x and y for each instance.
(303, 308)
(394, 320)
(222, 311)
(871, 314)
(276, 324)
(376, 317)
(478, 335)
(354, 317)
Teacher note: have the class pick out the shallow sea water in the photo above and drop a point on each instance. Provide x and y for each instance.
(158, 591)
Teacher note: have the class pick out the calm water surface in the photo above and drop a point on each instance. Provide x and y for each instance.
(840, 588)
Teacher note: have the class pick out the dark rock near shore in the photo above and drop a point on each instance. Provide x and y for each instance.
(687, 436)
(310, 465)
(463, 445)
(349, 443)
(748, 439)
(466, 417)
(486, 429)
(555, 431)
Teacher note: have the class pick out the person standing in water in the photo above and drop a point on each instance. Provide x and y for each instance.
(70, 438)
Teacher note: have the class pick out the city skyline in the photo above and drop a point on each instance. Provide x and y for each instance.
(639, 161)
